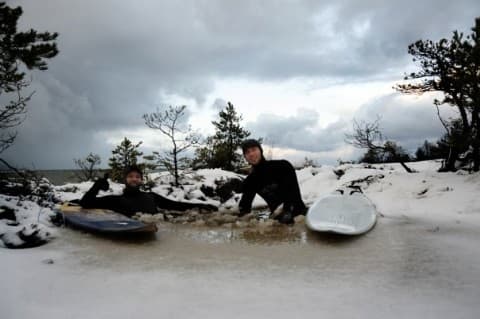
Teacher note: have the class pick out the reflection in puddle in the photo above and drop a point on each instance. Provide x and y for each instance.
(218, 235)
(260, 235)
(297, 234)
(273, 235)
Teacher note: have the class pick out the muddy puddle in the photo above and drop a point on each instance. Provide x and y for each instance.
(401, 269)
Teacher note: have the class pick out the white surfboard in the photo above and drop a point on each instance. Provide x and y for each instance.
(342, 213)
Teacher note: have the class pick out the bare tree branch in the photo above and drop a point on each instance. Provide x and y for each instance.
(369, 136)
(168, 123)
(88, 167)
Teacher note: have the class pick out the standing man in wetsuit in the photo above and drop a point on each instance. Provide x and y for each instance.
(133, 200)
(275, 181)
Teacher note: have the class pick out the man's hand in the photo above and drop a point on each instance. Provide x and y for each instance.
(102, 183)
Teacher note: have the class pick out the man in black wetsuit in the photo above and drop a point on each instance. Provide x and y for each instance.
(133, 200)
(275, 181)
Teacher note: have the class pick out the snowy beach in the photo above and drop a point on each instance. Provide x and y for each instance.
(421, 260)
(239, 159)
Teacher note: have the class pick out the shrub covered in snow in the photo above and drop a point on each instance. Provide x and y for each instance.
(24, 223)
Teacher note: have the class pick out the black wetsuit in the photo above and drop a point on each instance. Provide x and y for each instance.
(276, 182)
(133, 200)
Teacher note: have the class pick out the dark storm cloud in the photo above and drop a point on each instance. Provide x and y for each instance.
(298, 131)
(219, 104)
(406, 122)
(119, 60)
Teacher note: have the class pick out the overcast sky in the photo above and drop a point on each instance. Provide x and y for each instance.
(298, 72)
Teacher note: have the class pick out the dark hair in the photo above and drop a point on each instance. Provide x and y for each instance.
(132, 168)
(251, 143)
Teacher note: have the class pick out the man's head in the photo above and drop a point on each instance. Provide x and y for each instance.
(252, 151)
(133, 176)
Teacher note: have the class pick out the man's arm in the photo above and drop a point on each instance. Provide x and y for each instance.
(291, 186)
(90, 199)
(165, 203)
(245, 205)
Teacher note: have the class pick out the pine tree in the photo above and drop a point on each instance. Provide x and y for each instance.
(453, 146)
(429, 151)
(124, 155)
(17, 50)
(204, 156)
(394, 153)
(371, 157)
(451, 66)
(220, 150)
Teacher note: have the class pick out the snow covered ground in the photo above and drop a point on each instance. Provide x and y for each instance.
(29, 220)
(422, 260)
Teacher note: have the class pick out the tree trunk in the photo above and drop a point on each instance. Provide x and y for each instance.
(19, 173)
(175, 168)
(397, 157)
(476, 141)
(450, 161)
(464, 117)
(476, 157)
(408, 169)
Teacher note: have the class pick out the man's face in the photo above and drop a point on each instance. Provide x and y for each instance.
(133, 179)
(253, 155)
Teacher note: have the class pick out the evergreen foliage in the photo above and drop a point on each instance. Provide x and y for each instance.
(220, 150)
(452, 66)
(123, 156)
(30, 49)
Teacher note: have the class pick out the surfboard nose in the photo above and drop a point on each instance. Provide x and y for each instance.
(342, 213)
